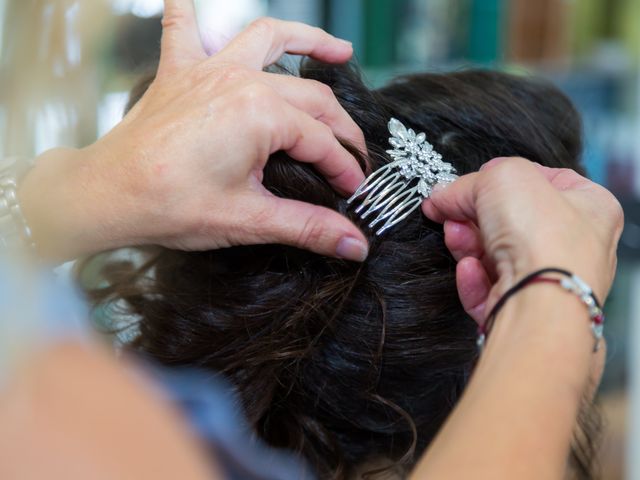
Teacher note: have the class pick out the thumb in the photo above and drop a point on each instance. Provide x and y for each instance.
(181, 42)
(507, 179)
(310, 227)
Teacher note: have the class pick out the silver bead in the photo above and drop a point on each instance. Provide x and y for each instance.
(14, 231)
(15, 212)
(10, 195)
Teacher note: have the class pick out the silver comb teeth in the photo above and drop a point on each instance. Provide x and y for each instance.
(398, 188)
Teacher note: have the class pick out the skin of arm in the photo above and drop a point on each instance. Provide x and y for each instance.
(515, 420)
(518, 413)
(184, 167)
(72, 412)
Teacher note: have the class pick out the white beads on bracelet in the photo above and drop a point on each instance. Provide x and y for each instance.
(579, 287)
(14, 230)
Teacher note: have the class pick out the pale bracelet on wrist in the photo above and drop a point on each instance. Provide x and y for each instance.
(569, 282)
(14, 230)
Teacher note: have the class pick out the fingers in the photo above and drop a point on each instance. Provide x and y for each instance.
(473, 273)
(493, 163)
(180, 35)
(455, 201)
(309, 227)
(318, 100)
(308, 140)
(560, 178)
(463, 239)
(267, 39)
(458, 200)
(474, 287)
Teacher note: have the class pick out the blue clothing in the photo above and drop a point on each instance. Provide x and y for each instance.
(213, 410)
(38, 309)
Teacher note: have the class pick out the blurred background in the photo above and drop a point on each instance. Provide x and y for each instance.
(66, 67)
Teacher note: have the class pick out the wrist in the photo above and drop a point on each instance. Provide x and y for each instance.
(69, 206)
(47, 205)
(548, 324)
(581, 260)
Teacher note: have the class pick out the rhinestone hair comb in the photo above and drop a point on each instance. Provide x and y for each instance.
(398, 188)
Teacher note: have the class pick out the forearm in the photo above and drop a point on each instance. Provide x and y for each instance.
(518, 413)
(72, 412)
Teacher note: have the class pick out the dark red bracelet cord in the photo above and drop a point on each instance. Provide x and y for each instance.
(534, 277)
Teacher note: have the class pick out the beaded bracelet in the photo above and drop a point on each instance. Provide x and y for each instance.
(14, 231)
(570, 282)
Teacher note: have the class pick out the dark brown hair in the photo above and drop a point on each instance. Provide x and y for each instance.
(348, 363)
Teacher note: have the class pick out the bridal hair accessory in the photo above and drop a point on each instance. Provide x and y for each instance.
(398, 188)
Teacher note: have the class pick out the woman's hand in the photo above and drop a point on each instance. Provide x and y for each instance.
(501, 223)
(514, 216)
(184, 168)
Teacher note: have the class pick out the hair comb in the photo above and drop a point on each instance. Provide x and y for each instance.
(398, 188)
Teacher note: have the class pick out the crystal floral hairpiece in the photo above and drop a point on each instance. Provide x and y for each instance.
(399, 187)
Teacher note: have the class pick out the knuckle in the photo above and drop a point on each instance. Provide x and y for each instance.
(516, 163)
(565, 178)
(568, 174)
(233, 74)
(323, 90)
(510, 167)
(325, 132)
(256, 97)
(606, 206)
(263, 27)
(318, 32)
(259, 105)
(312, 231)
(617, 212)
(328, 143)
(174, 17)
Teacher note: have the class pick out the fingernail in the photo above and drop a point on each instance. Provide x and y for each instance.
(345, 42)
(351, 248)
